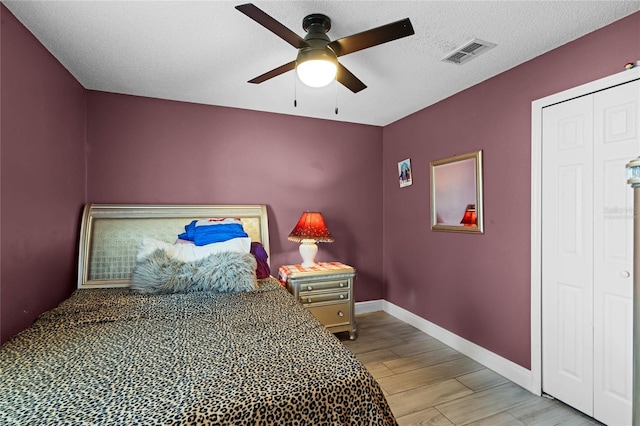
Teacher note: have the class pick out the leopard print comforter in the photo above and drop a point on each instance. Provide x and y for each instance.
(112, 357)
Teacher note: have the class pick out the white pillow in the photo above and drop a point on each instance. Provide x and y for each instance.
(191, 252)
(146, 246)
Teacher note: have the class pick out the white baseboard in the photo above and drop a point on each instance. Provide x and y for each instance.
(369, 306)
(508, 369)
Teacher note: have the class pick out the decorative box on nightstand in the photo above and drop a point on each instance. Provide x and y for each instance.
(326, 290)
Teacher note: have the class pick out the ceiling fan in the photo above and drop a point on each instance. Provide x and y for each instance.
(317, 62)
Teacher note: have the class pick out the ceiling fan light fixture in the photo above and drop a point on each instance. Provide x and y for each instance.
(316, 72)
(316, 67)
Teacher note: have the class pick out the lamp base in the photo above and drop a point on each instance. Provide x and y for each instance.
(308, 250)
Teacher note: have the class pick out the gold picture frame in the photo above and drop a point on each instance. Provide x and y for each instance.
(456, 193)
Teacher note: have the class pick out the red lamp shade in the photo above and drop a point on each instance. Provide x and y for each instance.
(469, 218)
(311, 226)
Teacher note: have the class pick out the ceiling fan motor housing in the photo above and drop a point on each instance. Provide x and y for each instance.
(316, 25)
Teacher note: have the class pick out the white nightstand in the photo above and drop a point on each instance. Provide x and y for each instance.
(326, 290)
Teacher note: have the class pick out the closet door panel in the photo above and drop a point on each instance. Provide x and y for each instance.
(616, 116)
(567, 252)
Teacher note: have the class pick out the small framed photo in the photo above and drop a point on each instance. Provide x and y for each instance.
(404, 173)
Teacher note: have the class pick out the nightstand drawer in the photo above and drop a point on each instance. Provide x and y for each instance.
(325, 285)
(332, 315)
(311, 298)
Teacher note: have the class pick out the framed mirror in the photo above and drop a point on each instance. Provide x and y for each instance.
(456, 193)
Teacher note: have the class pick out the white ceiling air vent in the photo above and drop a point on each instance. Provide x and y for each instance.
(468, 51)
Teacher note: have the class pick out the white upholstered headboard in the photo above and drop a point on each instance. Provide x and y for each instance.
(109, 234)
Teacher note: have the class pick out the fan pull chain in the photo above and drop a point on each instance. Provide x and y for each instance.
(295, 91)
(336, 84)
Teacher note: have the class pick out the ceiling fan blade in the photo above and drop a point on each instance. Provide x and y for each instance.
(274, 72)
(373, 37)
(348, 80)
(272, 25)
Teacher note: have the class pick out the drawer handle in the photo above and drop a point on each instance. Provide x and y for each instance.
(309, 300)
(340, 313)
(341, 284)
(309, 288)
(342, 296)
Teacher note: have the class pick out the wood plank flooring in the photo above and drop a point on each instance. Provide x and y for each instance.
(429, 383)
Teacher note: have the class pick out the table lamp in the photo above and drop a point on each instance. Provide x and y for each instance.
(470, 218)
(309, 230)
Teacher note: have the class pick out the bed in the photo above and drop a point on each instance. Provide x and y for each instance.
(112, 355)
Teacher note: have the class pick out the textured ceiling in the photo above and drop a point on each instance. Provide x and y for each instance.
(205, 51)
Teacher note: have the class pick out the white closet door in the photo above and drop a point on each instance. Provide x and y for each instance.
(615, 143)
(567, 252)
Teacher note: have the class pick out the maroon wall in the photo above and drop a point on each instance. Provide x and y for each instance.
(42, 177)
(478, 286)
(143, 150)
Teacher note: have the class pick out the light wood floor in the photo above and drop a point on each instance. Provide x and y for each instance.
(429, 383)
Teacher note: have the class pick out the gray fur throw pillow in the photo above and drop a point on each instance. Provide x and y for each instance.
(226, 272)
